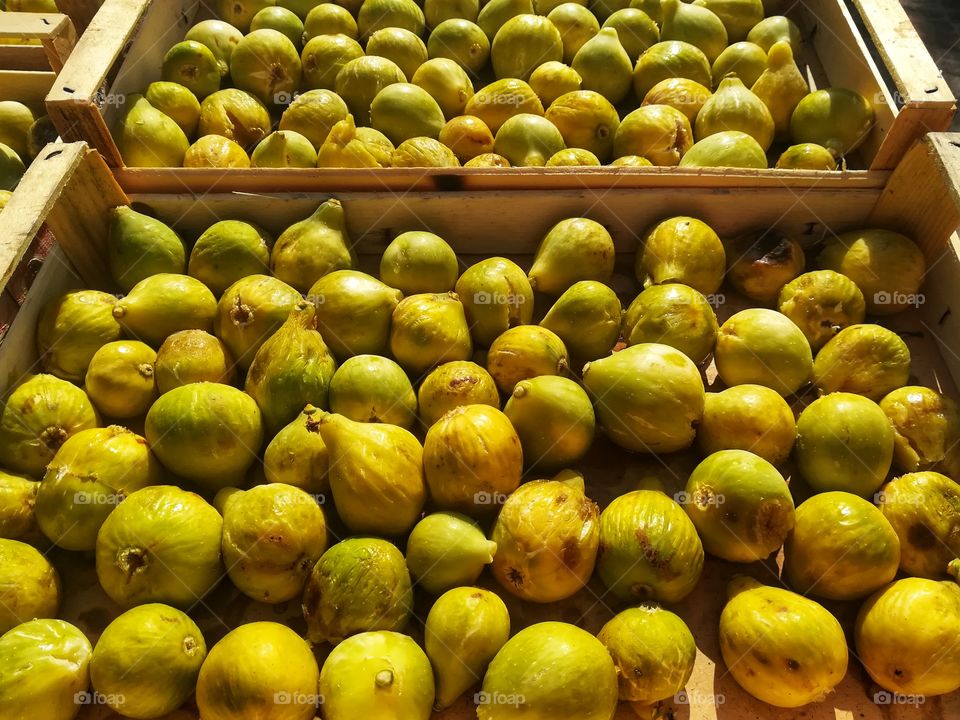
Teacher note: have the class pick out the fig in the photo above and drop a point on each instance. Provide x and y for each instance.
(45, 668)
(499, 101)
(376, 475)
(495, 13)
(239, 13)
(192, 65)
(488, 160)
(822, 303)
(428, 330)
(681, 94)
(738, 16)
(553, 418)
(926, 428)
(586, 317)
(746, 60)
(900, 649)
(528, 140)
(249, 312)
(547, 534)
(18, 498)
(145, 137)
(780, 647)
(16, 119)
(220, 38)
(259, 669)
(468, 137)
(887, 267)
(377, 674)
(453, 385)
(586, 120)
(557, 669)
(522, 43)
(436, 11)
(604, 66)
(139, 246)
(297, 454)
(844, 442)
(774, 29)
(781, 87)
(740, 505)
(653, 651)
(235, 115)
(274, 571)
(213, 151)
(865, 359)
(836, 118)
(161, 544)
(763, 347)
(841, 548)
(674, 315)
(37, 418)
(314, 247)
(659, 133)
(192, 356)
(636, 32)
(378, 14)
(649, 397)
(401, 46)
(924, 510)
(726, 149)
(461, 41)
(328, 19)
(266, 64)
(735, 108)
(420, 152)
(292, 368)
(370, 388)
(748, 417)
(464, 631)
(682, 250)
(576, 25)
(353, 312)
(496, 296)
(553, 79)
(360, 79)
(282, 20)
(807, 156)
(359, 585)
(284, 149)
(160, 305)
(448, 84)
(446, 550)
(177, 102)
(147, 660)
(92, 472)
(761, 263)
(228, 251)
(29, 585)
(205, 432)
(402, 111)
(524, 352)
(574, 249)
(649, 548)
(419, 262)
(693, 24)
(472, 459)
(314, 113)
(71, 328)
(324, 56)
(12, 167)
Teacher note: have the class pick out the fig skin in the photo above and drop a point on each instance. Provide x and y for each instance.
(748, 417)
(927, 430)
(866, 359)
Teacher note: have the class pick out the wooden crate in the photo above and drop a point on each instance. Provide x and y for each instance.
(55, 34)
(71, 190)
(123, 50)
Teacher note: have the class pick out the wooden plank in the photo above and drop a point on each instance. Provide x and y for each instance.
(80, 11)
(26, 86)
(55, 32)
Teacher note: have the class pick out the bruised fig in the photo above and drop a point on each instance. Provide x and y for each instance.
(684, 95)
(761, 263)
(452, 385)
(926, 429)
(523, 352)
(213, 151)
(468, 137)
(496, 296)
(421, 152)
(659, 133)
(236, 115)
(822, 303)
(250, 311)
(313, 114)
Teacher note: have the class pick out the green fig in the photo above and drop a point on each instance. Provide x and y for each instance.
(836, 118)
(726, 149)
(360, 80)
(428, 330)
(693, 24)
(449, 85)
(193, 65)
(653, 650)
(681, 94)
(774, 29)
(18, 499)
(280, 19)
(250, 311)
(926, 428)
(376, 475)
(453, 385)
(160, 305)
(377, 14)
(402, 111)
(220, 37)
(746, 60)
(496, 296)
(354, 312)
(297, 455)
(312, 114)
(807, 156)
(37, 418)
(781, 87)
(552, 80)
(401, 46)
(192, 356)
(228, 251)
(659, 133)
(370, 388)
(461, 41)
(522, 43)
(528, 140)
(11, 168)
(446, 550)
(328, 19)
(161, 544)
(92, 472)
(472, 459)
(761, 263)
(148, 138)
(71, 328)
(419, 262)
(822, 303)
(235, 115)
(121, 379)
(869, 360)
(423, 152)
(436, 11)
(649, 397)
(377, 674)
(763, 347)
(553, 418)
(748, 417)
(636, 32)
(737, 16)
(213, 151)
(275, 571)
(29, 585)
(780, 647)
(465, 629)
(490, 159)
(177, 102)
(495, 13)
(147, 660)
(573, 157)
(841, 548)
(324, 56)
(674, 315)
(574, 249)
(499, 101)
(682, 250)
(359, 585)
(239, 13)
(735, 108)
(220, 419)
(266, 64)
(284, 149)
(740, 505)
(524, 352)
(16, 119)
(604, 66)
(312, 248)
(586, 317)
(844, 442)
(576, 25)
